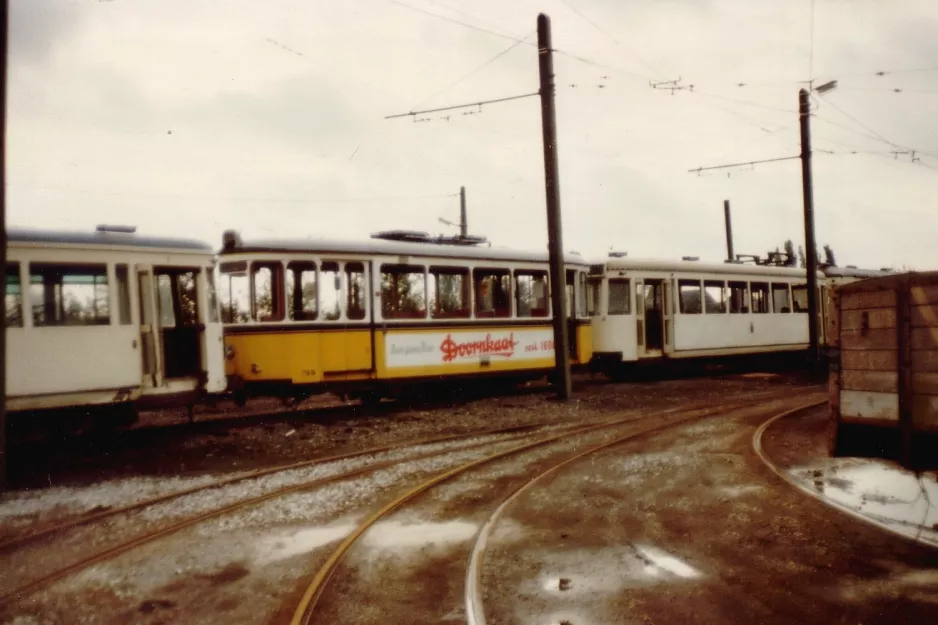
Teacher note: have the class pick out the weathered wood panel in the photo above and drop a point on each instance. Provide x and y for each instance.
(876, 319)
(925, 316)
(925, 338)
(925, 383)
(869, 299)
(872, 339)
(925, 412)
(925, 361)
(866, 405)
(870, 360)
(924, 294)
(873, 381)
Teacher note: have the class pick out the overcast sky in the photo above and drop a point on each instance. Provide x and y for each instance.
(189, 117)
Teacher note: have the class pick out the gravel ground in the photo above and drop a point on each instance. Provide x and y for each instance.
(204, 574)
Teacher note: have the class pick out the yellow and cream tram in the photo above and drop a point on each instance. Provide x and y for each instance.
(362, 318)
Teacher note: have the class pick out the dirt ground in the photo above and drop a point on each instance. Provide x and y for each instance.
(264, 433)
(685, 525)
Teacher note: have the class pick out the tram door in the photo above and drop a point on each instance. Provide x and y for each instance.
(151, 348)
(653, 315)
(178, 308)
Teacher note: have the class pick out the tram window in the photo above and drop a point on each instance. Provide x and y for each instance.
(739, 298)
(212, 295)
(301, 289)
(355, 278)
(448, 292)
(330, 291)
(760, 297)
(164, 292)
(123, 294)
(188, 299)
(799, 297)
(781, 301)
(531, 294)
(13, 296)
(235, 293)
(714, 297)
(69, 295)
(266, 281)
(492, 292)
(689, 294)
(619, 292)
(403, 292)
(593, 296)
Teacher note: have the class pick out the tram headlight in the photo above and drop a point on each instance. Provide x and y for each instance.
(229, 352)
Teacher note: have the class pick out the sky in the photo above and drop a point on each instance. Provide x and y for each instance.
(191, 117)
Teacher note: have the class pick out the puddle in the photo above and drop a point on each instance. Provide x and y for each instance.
(276, 548)
(880, 491)
(659, 562)
(397, 535)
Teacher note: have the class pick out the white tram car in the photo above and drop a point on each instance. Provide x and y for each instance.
(109, 318)
(648, 310)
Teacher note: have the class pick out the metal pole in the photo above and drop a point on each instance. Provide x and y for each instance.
(3, 250)
(729, 231)
(463, 226)
(554, 234)
(804, 112)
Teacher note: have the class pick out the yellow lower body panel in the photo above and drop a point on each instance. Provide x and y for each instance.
(301, 357)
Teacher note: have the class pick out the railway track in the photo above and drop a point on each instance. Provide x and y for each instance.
(305, 608)
(463, 442)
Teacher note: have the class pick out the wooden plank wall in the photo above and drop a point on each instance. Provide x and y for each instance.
(868, 327)
(869, 357)
(923, 317)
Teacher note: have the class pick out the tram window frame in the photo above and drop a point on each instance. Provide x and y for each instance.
(710, 287)
(686, 287)
(356, 283)
(538, 279)
(799, 292)
(581, 311)
(594, 296)
(759, 295)
(296, 270)
(331, 308)
(53, 301)
(13, 296)
(501, 297)
(236, 270)
(464, 309)
(775, 289)
(417, 302)
(739, 297)
(616, 304)
(276, 291)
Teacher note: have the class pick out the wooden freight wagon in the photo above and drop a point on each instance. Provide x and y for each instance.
(884, 369)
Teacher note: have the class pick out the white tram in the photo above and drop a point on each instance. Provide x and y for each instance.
(109, 317)
(646, 310)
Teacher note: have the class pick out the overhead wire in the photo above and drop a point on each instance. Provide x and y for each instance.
(475, 71)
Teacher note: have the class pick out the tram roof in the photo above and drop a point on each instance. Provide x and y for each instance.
(107, 238)
(693, 266)
(389, 248)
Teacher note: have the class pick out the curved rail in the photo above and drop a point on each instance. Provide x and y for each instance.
(760, 451)
(306, 605)
(475, 613)
(147, 537)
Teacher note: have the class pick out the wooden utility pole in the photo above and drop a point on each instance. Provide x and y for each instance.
(729, 231)
(558, 281)
(804, 113)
